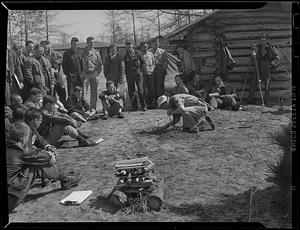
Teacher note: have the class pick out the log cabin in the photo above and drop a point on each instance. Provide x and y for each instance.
(242, 29)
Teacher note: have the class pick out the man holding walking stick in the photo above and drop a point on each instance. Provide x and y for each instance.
(265, 58)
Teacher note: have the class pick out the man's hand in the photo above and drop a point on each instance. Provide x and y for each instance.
(51, 148)
(21, 85)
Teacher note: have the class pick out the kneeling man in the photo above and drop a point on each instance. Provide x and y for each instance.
(191, 108)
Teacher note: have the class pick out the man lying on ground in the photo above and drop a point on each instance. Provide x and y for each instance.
(78, 108)
(192, 110)
(24, 166)
(223, 96)
(111, 101)
(55, 124)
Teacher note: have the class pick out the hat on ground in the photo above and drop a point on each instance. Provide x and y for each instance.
(78, 88)
(161, 100)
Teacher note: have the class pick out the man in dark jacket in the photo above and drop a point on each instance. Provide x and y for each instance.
(266, 58)
(14, 76)
(114, 66)
(55, 59)
(24, 166)
(55, 124)
(39, 72)
(78, 108)
(134, 77)
(197, 88)
(72, 66)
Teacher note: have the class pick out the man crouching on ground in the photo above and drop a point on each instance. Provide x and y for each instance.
(192, 110)
(55, 124)
(112, 102)
(24, 165)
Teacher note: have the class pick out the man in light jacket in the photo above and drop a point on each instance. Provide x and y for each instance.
(92, 66)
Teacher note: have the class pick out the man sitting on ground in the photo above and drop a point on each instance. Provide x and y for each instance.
(223, 96)
(15, 101)
(197, 88)
(189, 107)
(111, 101)
(180, 86)
(55, 124)
(19, 114)
(78, 108)
(24, 166)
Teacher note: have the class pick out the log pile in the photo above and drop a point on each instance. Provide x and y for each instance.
(137, 188)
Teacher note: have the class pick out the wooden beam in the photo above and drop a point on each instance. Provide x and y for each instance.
(261, 27)
(249, 20)
(256, 35)
(257, 14)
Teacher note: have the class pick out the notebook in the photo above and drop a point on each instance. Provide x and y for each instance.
(76, 198)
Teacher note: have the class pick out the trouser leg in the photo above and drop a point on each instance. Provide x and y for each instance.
(139, 85)
(191, 116)
(105, 106)
(114, 109)
(93, 86)
(131, 89)
(61, 92)
(56, 132)
(253, 86)
(229, 101)
(159, 75)
(266, 77)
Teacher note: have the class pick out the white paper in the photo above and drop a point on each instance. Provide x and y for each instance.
(99, 140)
(76, 198)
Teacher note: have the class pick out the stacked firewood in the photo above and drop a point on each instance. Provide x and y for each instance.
(137, 187)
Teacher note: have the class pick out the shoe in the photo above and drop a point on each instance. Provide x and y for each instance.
(71, 181)
(212, 125)
(120, 115)
(82, 142)
(105, 117)
(144, 109)
(210, 108)
(83, 134)
(45, 182)
(235, 107)
(194, 129)
(185, 130)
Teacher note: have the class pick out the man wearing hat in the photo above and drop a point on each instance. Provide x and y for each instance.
(267, 58)
(192, 110)
(78, 108)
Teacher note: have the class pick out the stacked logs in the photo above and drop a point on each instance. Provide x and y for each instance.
(137, 187)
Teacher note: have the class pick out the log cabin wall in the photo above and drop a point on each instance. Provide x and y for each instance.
(242, 28)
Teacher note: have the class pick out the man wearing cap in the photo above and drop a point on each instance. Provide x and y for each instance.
(267, 58)
(72, 66)
(78, 108)
(92, 66)
(191, 108)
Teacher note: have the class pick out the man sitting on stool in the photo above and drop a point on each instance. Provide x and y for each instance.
(111, 101)
(78, 108)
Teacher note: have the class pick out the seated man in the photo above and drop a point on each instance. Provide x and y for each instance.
(189, 107)
(15, 101)
(35, 98)
(24, 166)
(223, 96)
(55, 124)
(111, 101)
(78, 108)
(197, 88)
(7, 119)
(180, 86)
(19, 114)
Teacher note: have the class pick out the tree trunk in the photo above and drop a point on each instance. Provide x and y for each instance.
(133, 25)
(25, 26)
(158, 22)
(47, 26)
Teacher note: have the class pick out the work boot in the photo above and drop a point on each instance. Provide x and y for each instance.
(105, 117)
(45, 182)
(212, 125)
(82, 142)
(120, 115)
(70, 181)
(83, 134)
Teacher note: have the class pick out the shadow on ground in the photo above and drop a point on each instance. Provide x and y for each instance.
(235, 208)
(103, 203)
(30, 197)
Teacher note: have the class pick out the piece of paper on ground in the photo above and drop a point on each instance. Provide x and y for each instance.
(76, 198)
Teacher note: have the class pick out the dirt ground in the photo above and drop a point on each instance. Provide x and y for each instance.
(207, 176)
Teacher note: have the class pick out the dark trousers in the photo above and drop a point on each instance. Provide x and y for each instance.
(148, 81)
(7, 94)
(135, 79)
(188, 77)
(265, 75)
(72, 83)
(16, 196)
(61, 92)
(159, 75)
